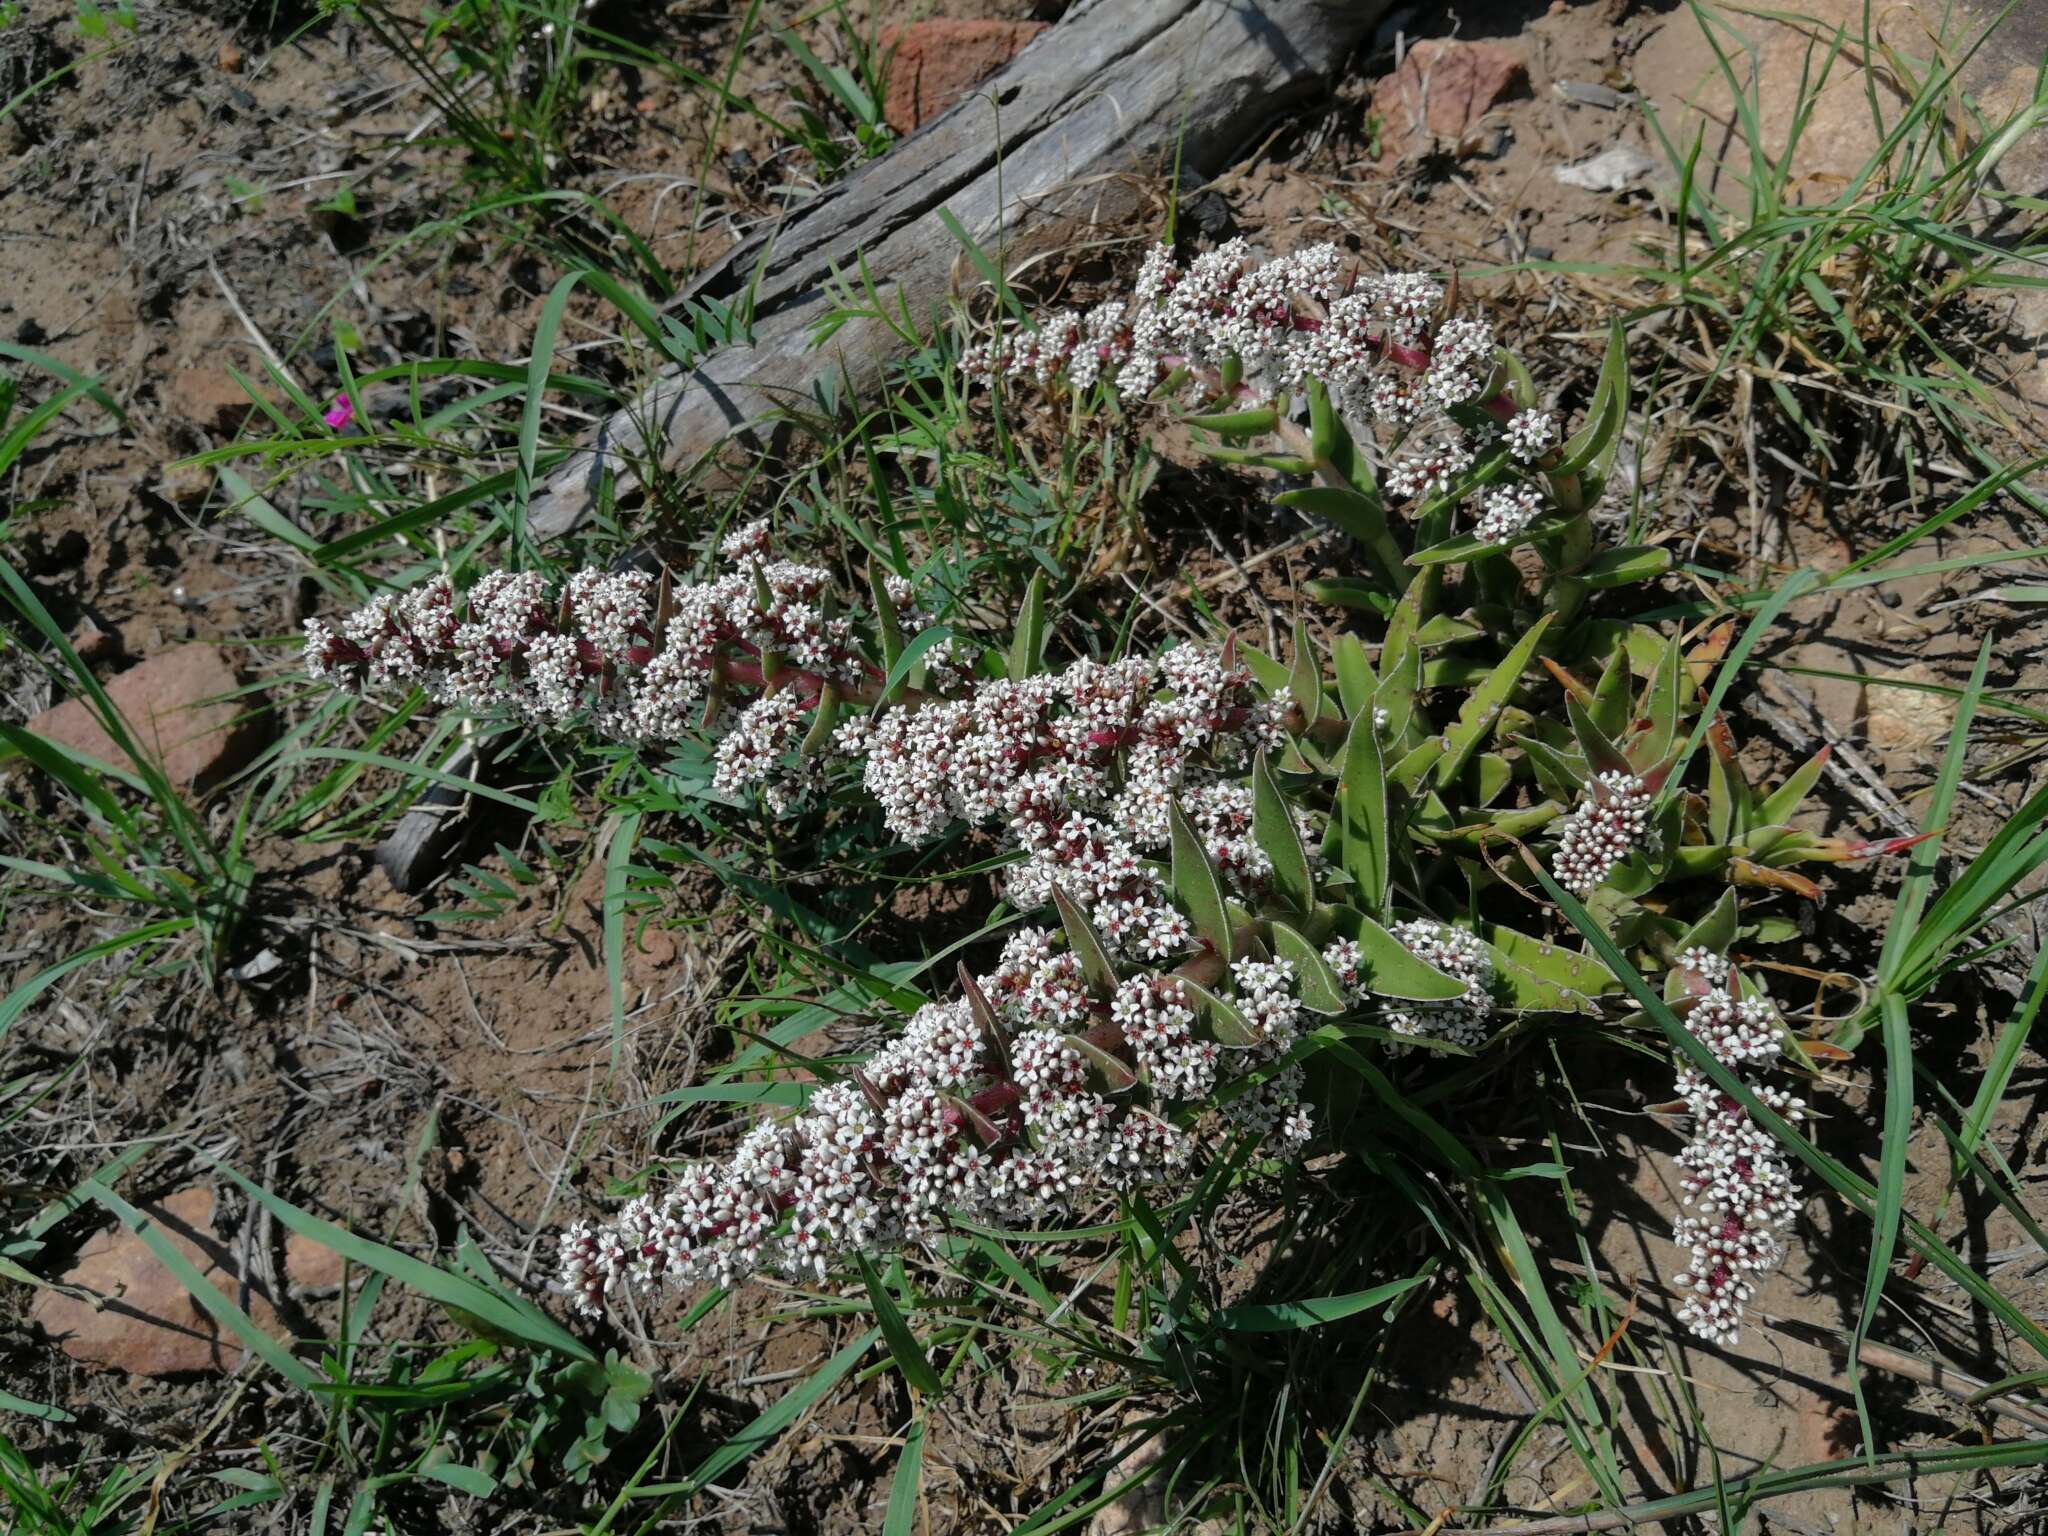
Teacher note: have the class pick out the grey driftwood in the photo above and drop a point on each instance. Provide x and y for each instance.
(1117, 87)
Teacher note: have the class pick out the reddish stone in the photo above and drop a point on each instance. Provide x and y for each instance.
(1443, 89)
(140, 1319)
(310, 1264)
(165, 701)
(209, 398)
(935, 63)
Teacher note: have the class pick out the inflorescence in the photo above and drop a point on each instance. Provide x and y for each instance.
(1382, 345)
(1601, 831)
(1038, 1089)
(1057, 1095)
(1738, 1183)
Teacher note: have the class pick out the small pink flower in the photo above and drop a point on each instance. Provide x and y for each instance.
(341, 413)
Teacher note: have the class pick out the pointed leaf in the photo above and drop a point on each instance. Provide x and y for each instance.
(1483, 705)
(1305, 678)
(1346, 592)
(1624, 565)
(1602, 755)
(1224, 1021)
(1663, 707)
(819, 736)
(1464, 548)
(1279, 838)
(1491, 774)
(1362, 813)
(1784, 800)
(1085, 942)
(1251, 423)
(986, 1131)
(1555, 964)
(1409, 613)
(1716, 931)
(888, 629)
(912, 654)
(1331, 442)
(1355, 682)
(985, 1018)
(1607, 411)
(1610, 707)
(1391, 971)
(1196, 885)
(1266, 672)
(1117, 1075)
(1559, 775)
(1400, 682)
(1361, 516)
(1027, 650)
(1409, 770)
(1317, 984)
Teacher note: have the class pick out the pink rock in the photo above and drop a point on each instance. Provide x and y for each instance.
(145, 1322)
(176, 712)
(1439, 94)
(208, 398)
(310, 1264)
(935, 63)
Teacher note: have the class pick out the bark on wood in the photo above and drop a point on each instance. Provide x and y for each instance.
(1118, 86)
(417, 850)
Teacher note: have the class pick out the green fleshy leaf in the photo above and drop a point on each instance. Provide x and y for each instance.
(1346, 592)
(1116, 1074)
(1225, 1022)
(1464, 548)
(1626, 565)
(1716, 931)
(1317, 984)
(1362, 813)
(1391, 971)
(1278, 837)
(1611, 695)
(1399, 684)
(1781, 802)
(1255, 422)
(1027, 649)
(1305, 677)
(888, 629)
(1483, 706)
(1196, 885)
(1355, 682)
(1086, 944)
(1600, 752)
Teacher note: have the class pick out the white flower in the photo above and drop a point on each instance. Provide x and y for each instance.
(1598, 835)
(1508, 511)
(1531, 434)
(937, 1127)
(1739, 1192)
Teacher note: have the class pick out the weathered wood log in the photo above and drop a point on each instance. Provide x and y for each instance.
(1118, 86)
(418, 849)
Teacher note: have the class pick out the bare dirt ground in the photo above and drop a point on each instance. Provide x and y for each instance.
(160, 223)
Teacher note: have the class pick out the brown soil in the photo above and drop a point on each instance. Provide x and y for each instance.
(423, 1080)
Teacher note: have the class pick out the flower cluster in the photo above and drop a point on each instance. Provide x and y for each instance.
(1080, 769)
(1599, 833)
(1058, 1096)
(743, 659)
(1380, 344)
(1739, 1193)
